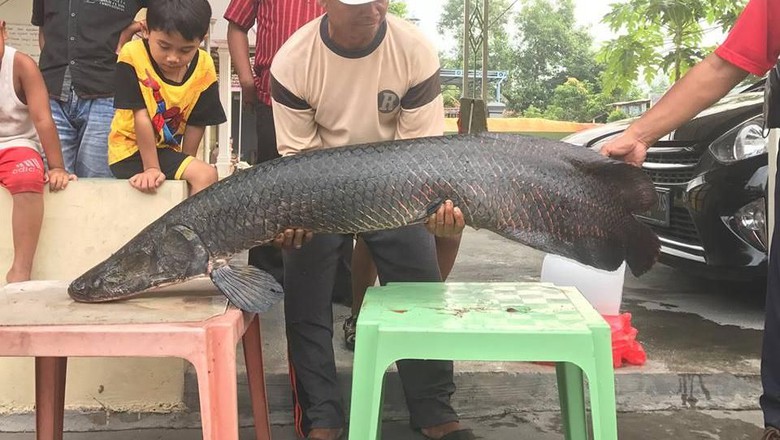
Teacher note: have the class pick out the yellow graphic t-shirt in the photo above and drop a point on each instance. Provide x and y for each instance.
(171, 105)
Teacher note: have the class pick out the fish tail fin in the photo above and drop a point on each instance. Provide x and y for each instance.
(631, 185)
(642, 248)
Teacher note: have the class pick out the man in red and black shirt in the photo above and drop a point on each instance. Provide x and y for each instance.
(753, 46)
(276, 20)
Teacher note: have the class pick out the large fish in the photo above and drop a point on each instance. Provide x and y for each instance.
(546, 194)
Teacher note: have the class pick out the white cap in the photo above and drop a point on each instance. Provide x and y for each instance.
(355, 2)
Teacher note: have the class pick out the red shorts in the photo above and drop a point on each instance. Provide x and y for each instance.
(21, 170)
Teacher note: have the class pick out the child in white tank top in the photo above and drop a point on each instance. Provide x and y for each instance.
(26, 130)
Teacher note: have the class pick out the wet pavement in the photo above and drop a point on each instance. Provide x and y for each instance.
(679, 425)
(701, 380)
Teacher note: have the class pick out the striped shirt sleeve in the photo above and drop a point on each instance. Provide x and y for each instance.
(242, 13)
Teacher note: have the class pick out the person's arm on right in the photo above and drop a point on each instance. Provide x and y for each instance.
(752, 46)
(701, 87)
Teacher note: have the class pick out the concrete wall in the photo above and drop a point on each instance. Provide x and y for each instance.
(83, 225)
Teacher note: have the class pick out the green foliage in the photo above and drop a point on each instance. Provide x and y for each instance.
(616, 115)
(550, 49)
(663, 35)
(533, 112)
(545, 51)
(451, 95)
(500, 52)
(398, 8)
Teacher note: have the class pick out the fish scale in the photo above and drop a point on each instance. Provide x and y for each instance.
(547, 194)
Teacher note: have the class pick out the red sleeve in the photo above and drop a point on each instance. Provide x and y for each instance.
(242, 12)
(754, 43)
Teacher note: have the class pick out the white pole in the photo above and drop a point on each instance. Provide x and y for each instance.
(223, 160)
(207, 145)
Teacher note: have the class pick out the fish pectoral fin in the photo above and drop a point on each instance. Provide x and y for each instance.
(247, 287)
(429, 210)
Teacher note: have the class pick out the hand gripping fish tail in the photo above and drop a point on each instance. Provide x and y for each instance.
(547, 194)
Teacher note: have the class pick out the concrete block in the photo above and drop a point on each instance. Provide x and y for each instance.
(82, 226)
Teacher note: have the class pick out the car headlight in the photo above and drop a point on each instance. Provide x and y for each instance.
(741, 142)
(749, 223)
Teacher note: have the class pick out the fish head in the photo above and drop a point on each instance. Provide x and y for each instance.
(159, 255)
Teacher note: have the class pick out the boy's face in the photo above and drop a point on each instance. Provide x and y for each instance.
(172, 52)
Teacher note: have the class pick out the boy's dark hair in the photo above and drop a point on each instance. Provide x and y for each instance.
(190, 18)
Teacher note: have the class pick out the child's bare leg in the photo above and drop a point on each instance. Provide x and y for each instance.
(199, 175)
(26, 222)
(363, 274)
(446, 252)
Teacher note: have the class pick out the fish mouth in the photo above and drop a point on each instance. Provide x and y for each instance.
(81, 291)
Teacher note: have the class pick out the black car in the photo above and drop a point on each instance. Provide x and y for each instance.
(711, 178)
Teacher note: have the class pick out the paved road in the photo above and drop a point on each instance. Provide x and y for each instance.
(680, 425)
(701, 380)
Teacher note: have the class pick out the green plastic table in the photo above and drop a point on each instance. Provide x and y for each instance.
(523, 321)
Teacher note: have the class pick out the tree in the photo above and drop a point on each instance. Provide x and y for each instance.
(451, 26)
(661, 35)
(550, 49)
(398, 8)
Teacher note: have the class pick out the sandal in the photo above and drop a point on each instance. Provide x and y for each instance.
(350, 329)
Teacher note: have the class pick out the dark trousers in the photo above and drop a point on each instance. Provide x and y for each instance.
(406, 254)
(770, 354)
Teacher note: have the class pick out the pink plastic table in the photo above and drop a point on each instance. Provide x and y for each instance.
(195, 325)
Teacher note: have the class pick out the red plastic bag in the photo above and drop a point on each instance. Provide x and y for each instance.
(625, 347)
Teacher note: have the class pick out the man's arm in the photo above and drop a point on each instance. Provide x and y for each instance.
(296, 129)
(238, 45)
(37, 98)
(127, 34)
(701, 87)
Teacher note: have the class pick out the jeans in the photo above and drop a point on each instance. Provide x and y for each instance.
(83, 126)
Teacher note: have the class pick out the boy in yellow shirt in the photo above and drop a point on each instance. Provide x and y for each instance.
(166, 94)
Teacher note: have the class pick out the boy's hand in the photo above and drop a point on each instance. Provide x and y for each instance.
(293, 238)
(148, 181)
(58, 179)
(447, 221)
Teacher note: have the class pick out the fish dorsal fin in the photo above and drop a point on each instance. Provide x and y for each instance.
(247, 287)
(634, 188)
